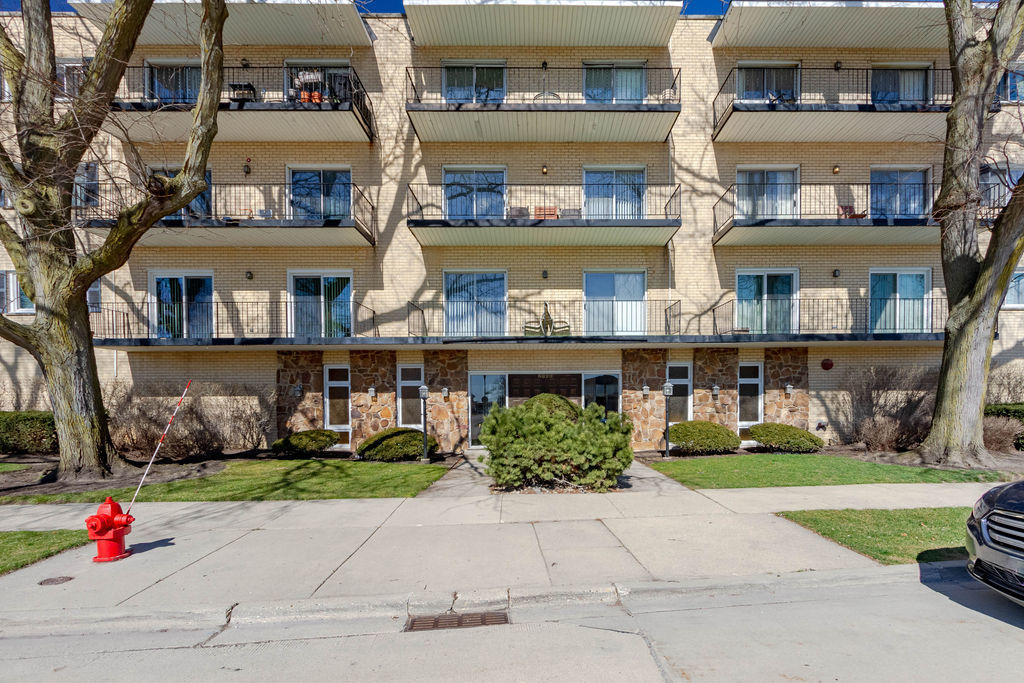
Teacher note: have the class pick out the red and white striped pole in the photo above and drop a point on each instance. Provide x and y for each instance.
(159, 443)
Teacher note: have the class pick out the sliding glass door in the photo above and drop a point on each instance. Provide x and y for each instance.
(899, 303)
(615, 303)
(898, 193)
(613, 194)
(613, 84)
(321, 306)
(767, 194)
(474, 304)
(899, 86)
(182, 307)
(766, 303)
(474, 194)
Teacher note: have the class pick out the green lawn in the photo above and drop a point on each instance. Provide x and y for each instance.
(21, 548)
(274, 480)
(892, 536)
(11, 467)
(758, 470)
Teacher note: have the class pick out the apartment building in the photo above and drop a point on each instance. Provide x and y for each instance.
(498, 199)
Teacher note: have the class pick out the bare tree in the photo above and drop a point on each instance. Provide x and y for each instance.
(980, 47)
(53, 131)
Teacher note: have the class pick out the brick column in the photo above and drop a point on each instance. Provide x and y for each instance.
(640, 367)
(300, 391)
(372, 369)
(784, 366)
(721, 367)
(448, 420)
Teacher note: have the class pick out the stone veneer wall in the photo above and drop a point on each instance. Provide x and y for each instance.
(640, 367)
(448, 420)
(300, 391)
(721, 367)
(784, 366)
(372, 369)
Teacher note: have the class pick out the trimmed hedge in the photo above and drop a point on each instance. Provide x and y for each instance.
(530, 445)
(785, 438)
(699, 437)
(309, 442)
(559, 406)
(27, 431)
(1014, 410)
(396, 443)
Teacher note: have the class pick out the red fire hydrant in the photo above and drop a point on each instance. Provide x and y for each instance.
(108, 527)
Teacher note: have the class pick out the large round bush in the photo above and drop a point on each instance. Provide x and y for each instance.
(785, 438)
(396, 443)
(309, 442)
(557, 405)
(699, 437)
(531, 445)
(27, 431)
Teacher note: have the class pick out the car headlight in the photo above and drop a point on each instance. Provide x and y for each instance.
(982, 507)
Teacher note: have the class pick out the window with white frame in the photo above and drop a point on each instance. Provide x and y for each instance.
(997, 184)
(70, 76)
(614, 83)
(13, 298)
(614, 303)
(898, 300)
(93, 297)
(337, 388)
(751, 397)
(321, 304)
(173, 83)
(1015, 292)
(321, 194)
(767, 301)
(181, 305)
(768, 82)
(475, 304)
(614, 194)
(901, 84)
(1011, 83)
(768, 192)
(473, 83)
(680, 376)
(201, 206)
(87, 185)
(474, 194)
(410, 407)
(900, 193)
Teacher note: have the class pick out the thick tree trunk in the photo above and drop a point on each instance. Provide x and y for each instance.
(69, 364)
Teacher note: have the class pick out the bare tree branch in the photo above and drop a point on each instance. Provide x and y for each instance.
(33, 110)
(13, 63)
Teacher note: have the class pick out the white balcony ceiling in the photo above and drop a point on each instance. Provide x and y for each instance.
(543, 22)
(542, 126)
(833, 126)
(543, 236)
(242, 126)
(267, 22)
(833, 235)
(832, 23)
(250, 236)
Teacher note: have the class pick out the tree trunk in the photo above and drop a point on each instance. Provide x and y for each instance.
(69, 364)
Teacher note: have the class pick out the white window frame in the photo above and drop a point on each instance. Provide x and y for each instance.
(928, 171)
(291, 63)
(445, 63)
(463, 271)
(583, 290)
(147, 67)
(472, 167)
(61, 72)
(760, 394)
(399, 383)
(905, 271)
(289, 168)
(1016, 67)
(584, 374)
(625, 64)
(929, 67)
(764, 273)
(797, 204)
(768, 64)
(12, 294)
(614, 168)
(96, 291)
(345, 429)
(303, 272)
(151, 277)
(82, 195)
(675, 383)
(1017, 272)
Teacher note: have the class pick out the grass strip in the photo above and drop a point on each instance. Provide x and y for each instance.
(21, 548)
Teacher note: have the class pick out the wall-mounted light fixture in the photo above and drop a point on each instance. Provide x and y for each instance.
(244, 62)
(835, 273)
(444, 393)
(837, 66)
(544, 169)
(835, 170)
(544, 274)
(646, 390)
(246, 168)
(248, 275)
(789, 390)
(372, 393)
(715, 391)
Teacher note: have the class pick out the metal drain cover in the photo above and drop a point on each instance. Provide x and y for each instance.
(55, 580)
(466, 620)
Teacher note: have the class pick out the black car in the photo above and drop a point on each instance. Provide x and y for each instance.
(995, 540)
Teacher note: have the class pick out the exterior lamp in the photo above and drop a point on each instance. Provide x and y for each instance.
(646, 392)
(667, 390)
(789, 390)
(444, 393)
(424, 392)
(372, 393)
(715, 391)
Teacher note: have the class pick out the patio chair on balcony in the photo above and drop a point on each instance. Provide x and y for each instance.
(545, 213)
(572, 214)
(847, 211)
(518, 212)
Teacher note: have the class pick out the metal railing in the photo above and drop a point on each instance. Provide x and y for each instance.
(302, 317)
(810, 315)
(233, 202)
(782, 86)
(503, 202)
(756, 202)
(458, 84)
(551, 318)
(178, 86)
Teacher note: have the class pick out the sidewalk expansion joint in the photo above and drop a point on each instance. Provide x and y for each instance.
(358, 548)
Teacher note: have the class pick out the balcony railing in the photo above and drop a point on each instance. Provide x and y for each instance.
(498, 202)
(542, 85)
(234, 203)
(302, 317)
(825, 316)
(177, 87)
(550, 318)
(782, 87)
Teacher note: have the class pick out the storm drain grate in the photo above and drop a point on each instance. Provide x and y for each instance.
(466, 620)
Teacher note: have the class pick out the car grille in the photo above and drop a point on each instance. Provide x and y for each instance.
(1003, 578)
(1006, 531)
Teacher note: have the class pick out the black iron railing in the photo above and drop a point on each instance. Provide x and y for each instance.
(597, 85)
(300, 317)
(503, 202)
(809, 315)
(550, 318)
(891, 89)
(328, 203)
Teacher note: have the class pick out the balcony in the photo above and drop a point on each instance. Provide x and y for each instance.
(790, 104)
(499, 215)
(288, 22)
(231, 215)
(315, 103)
(583, 23)
(835, 214)
(542, 104)
(563, 320)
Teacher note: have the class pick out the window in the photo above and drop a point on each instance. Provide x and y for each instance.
(618, 84)
(900, 193)
(899, 85)
(613, 194)
(1015, 292)
(679, 376)
(767, 193)
(201, 206)
(485, 391)
(331, 82)
(410, 407)
(475, 304)
(997, 184)
(92, 296)
(751, 403)
(766, 301)
(474, 194)
(602, 389)
(87, 186)
(898, 301)
(321, 194)
(474, 83)
(181, 305)
(1011, 84)
(773, 83)
(615, 303)
(336, 402)
(13, 298)
(174, 84)
(321, 304)
(70, 76)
